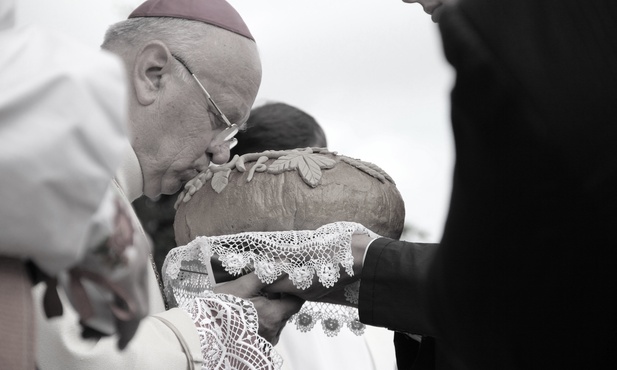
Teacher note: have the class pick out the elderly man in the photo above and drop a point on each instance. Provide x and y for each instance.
(194, 72)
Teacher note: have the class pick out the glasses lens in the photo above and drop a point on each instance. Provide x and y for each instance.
(229, 132)
(227, 135)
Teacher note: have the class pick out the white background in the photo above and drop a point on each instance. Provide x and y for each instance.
(371, 72)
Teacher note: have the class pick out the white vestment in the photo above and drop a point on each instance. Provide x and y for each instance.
(314, 350)
(62, 135)
(160, 341)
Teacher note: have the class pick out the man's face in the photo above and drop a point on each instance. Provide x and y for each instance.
(177, 144)
(432, 7)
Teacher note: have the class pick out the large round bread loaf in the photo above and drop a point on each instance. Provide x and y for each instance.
(299, 189)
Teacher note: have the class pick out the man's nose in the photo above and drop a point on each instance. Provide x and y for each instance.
(219, 154)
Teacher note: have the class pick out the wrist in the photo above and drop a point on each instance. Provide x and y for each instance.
(359, 246)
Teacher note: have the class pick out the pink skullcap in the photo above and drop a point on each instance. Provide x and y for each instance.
(215, 12)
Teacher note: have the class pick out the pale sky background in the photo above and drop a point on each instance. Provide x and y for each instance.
(372, 72)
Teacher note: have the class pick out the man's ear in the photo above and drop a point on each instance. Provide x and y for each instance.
(152, 62)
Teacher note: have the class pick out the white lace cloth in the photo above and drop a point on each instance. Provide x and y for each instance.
(227, 328)
(227, 325)
(187, 272)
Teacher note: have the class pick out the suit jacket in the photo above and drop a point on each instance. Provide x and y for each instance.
(525, 276)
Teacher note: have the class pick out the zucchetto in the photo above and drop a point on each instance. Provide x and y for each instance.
(215, 12)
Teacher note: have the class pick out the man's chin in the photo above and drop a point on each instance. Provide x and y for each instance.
(165, 189)
(436, 15)
(153, 197)
(171, 189)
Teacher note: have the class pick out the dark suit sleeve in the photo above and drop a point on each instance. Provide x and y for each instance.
(393, 291)
(524, 276)
(528, 246)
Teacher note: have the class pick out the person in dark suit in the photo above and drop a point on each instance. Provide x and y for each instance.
(524, 277)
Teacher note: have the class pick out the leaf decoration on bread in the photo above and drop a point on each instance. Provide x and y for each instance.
(309, 166)
(220, 180)
(308, 162)
(368, 168)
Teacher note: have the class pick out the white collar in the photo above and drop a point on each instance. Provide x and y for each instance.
(129, 176)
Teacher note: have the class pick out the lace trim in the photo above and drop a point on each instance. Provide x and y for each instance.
(331, 316)
(227, 327)
(300, 254)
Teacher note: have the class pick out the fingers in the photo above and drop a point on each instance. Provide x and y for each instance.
(246, 286)
(288, 305)
(274, 313)
(282, 286)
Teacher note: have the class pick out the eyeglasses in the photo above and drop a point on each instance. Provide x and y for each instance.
(226, 135)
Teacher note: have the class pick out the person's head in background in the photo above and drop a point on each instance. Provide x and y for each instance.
(279, 126)
(174, 127)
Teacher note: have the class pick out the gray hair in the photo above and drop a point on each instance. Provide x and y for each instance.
(125, 38)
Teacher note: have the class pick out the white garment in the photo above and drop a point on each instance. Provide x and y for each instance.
(158, 341)
(62, 134)
(314, 350)
(7, 14)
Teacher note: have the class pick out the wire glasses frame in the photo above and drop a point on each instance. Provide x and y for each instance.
(226, 135)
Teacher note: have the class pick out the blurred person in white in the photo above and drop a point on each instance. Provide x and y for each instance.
(62, 135)
(182, 56)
